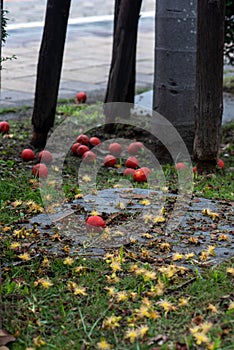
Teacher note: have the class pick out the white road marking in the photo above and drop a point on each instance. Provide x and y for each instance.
(74, 21)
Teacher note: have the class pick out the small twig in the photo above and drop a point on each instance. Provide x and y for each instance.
(181, 286)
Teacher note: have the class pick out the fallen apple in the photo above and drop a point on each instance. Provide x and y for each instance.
(128, 171)
(4, 127)
(88, 157)
(81, 97)
(96, 223)
(132, 162)
(40, 170)
(74, 147)
(140, 175)
(220, 163)
(146, 170)
(135, 148)
(94, 141)
(82, 149)
(45, 156)
(180, 166)
(110, 160)
(115, 148)
(83, 139)
(27, 154)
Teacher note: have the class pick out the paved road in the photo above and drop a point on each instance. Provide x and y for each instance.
(34, 10)
(87, 53)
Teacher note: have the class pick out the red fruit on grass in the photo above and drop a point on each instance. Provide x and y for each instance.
(128, 171)
(110, 160)
(146, 170)
(180, 166)
(195, 169)
(74, 147)
(135, 147)
(89, 157)
(220, 163)
(45, 156)
(27, 154)
(140, 175)
(83, 139)
(81, 97)
(95, 223)
(132, 162)
(40, 170)
(94, 141)
(4, 127)
(140, 144)
(115, 148)
(82, 149)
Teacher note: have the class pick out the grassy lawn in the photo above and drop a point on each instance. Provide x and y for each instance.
(125, 299)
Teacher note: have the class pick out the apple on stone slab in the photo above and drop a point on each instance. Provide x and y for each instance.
(95, 223)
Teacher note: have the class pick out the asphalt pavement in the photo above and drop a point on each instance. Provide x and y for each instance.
(87, 53)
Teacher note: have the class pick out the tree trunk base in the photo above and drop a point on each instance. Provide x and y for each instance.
(38, 140)
(205, 167)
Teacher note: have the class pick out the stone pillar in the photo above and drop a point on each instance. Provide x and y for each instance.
(175, 65)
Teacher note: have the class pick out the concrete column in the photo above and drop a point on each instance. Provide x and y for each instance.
(175, 64)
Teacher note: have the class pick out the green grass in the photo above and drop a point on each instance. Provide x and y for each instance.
(65, 320)
(228, 84)
(55, 315)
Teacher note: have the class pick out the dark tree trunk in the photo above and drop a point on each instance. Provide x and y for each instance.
(1, 9)
(121, 83)
(209, 83)
(49, 69)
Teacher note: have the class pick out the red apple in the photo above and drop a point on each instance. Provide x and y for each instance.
(140, 175)
(140, 144)
(128, 171)
(132, 162)
(115, 148)
(82, 149)
(45, 156)
(89, 157)
(220, 163)
(83, 139)
(81, 97)
(40, 170)
(74, 147)
(135, 147)
(146, 170)
(195, 169)
(4, 127)
(180, 166)
(27, 154)
(94, 141)
(109, 160)
(95, 223)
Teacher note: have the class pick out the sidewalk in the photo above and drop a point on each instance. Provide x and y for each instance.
(86, 62)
